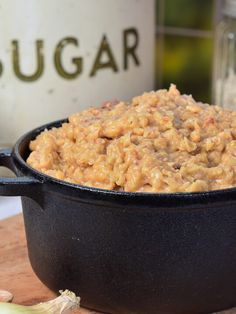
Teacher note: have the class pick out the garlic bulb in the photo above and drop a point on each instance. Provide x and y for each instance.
(61, 305)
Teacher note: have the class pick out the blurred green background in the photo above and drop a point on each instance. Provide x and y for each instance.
(184, 44)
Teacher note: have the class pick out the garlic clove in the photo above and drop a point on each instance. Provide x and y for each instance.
(5, 296)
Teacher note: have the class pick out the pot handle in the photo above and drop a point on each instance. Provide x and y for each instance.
(19, 186)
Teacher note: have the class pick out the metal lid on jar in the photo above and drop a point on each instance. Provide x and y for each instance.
(229, 8)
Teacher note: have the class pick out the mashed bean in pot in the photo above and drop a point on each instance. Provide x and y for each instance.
(159, 142)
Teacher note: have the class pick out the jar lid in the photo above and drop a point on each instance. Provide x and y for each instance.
(230, 8)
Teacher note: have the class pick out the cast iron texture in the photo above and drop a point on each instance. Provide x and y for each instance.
(127, 253)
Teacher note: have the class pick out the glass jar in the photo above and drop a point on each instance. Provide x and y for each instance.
(224, 75)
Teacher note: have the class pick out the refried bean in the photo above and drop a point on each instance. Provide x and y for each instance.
(161, 141)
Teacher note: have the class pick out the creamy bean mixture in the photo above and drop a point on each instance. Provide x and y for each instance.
(159, 142)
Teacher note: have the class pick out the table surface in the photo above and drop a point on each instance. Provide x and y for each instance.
(16, 274)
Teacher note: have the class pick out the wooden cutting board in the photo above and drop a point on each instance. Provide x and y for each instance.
(16, 274)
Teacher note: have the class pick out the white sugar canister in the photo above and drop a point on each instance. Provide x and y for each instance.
(58, 57)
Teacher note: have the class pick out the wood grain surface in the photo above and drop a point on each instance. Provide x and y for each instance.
(16, 274)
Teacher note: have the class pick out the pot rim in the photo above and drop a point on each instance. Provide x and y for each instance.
(191, 198)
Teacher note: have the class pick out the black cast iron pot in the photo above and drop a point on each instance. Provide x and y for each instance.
(127, 253)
